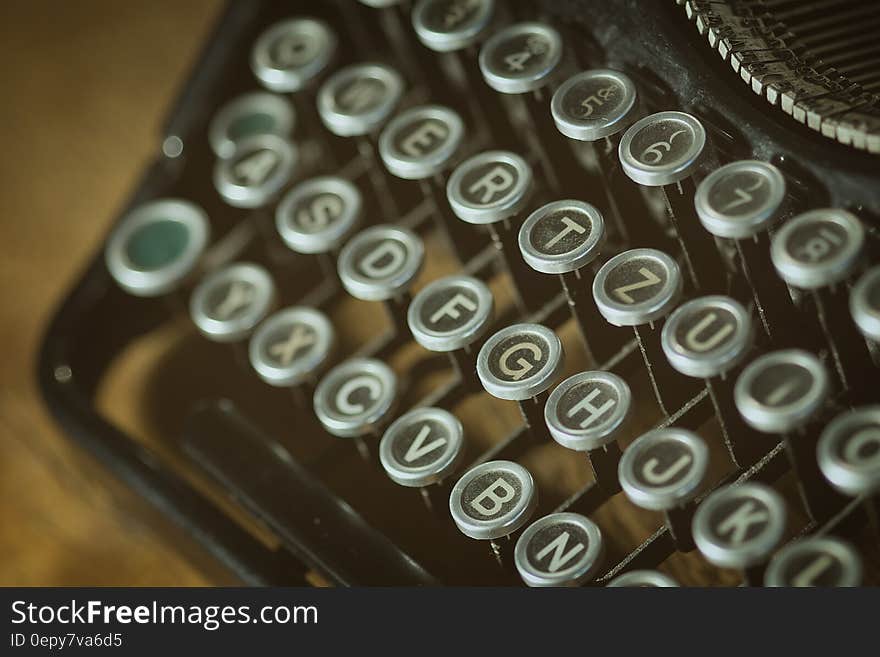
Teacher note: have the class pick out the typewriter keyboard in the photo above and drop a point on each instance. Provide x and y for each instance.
(455, 296)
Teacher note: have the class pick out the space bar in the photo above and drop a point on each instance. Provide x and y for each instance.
(317, 526)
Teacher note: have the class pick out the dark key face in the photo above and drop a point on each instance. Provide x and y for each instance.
(492, 495)
(664, 143)
(782, 384)
(420, 444)
(450, 16)
(157, 244)
(521, 57)
(740, 521)
(592, 405)
(289, 54)
(315, 213)
(707, 329)
(814, 568)
(421, 137)
(740, 193)
(449, 309)
(381, 259)
(355, 395)
(859, 447)
(519, 358)
(561, 231)
(380, 262)
(287, 344)
(252, 168)
(663, 463)
(490, 183)
(596, 99)
(360, 95)
(295, 49)
(636, 281)
(231, 300)
(557, 547)
(816, 242)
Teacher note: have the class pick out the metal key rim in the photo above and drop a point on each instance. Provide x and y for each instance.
(295, 373)
(563, 263)
(495, 211)
(740, 226)
(329, 238)
(291, 80)
(846, 478)
(344, 124)
(435, 472)
(512, 520)
(644, 312)
(843, 552)
(530, 386)
(258, 102)
(669, 496)
(658, 175)
(363, 423)
(367, 289)
(866, 318)
(585, 565)
(417, 168)
(449, 41)
(236, 329)
(246, 196)
(593, 131)
(519, 85)
(151, 283)
(583, 440)
(464, 335)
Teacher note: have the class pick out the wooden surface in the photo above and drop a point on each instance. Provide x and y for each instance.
(85, 85)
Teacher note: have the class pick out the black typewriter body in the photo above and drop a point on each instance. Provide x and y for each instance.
(256, 477)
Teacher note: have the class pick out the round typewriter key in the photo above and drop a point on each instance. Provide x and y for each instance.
(595, 104)
(664, 150)
(780, 391)
(156, 246)
(864, 304)
(561, 238)
(258, 169)
(358, 99)
(637, 288)
(450, 314)
(355, 399)
(380, 4)
(251, 114)
(585, 413)
(290, 54)
(562, 549)
(420, 449)
(740, 199)
(229, 303)
(849, 451)
(379, 264)
(662, 471)
(493, 500)
(291, 346)
(707, 336)
(818, 561)
(739, 527)
(489, 187)
(493, 187)
(316, 215)
(520, 58)
(815, 250)
(419, 144)
(521, 362)
(643, 579)
(448, 25)
(818, 248)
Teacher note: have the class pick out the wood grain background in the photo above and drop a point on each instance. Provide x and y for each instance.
(84, 87)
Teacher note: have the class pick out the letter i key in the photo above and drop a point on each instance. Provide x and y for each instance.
(491, 501)
(739, 526)
(780, 393)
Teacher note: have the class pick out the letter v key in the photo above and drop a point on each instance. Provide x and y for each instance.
(418, 448)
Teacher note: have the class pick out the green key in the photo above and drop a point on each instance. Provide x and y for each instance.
(157, 244)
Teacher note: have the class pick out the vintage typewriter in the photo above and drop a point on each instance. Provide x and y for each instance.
(468, 292)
